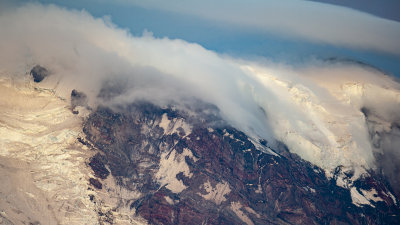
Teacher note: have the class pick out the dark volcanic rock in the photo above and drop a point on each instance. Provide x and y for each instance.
(111, 89)
(387, 142)
(98, 167)
(39, 73)
(225, 179)
(96, 183)
(91, 197)
(78, 98)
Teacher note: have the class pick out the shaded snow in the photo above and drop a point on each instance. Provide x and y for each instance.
(359, 199)
(364, 197)
(171, 126)
(216, 193)
(169, 200)
(236, 208)
(172, 163)
(371, 195)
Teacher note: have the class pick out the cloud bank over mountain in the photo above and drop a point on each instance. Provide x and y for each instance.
(313, 21)
(317, 110)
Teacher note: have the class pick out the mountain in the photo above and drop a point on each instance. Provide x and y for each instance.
(191, 168)
(142, 163)
(101, 124)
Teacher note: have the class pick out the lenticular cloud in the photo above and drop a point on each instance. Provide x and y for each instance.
(331, 114)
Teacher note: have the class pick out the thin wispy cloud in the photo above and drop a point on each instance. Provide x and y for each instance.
(313, 21)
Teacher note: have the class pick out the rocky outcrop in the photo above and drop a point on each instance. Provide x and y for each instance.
(78, 99)
(188, 170)
(95, 183)
(98, 167)
(39, 73)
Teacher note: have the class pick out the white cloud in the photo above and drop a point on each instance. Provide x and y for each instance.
(315, 110)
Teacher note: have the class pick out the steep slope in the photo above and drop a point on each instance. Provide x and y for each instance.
(43, 170)
(141, 163)
(189, 167)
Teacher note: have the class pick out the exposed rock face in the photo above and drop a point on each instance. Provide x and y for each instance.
(385, 136)
(112, 89)
(96, 183)
(39, 73)
(78, 99)
(187, 170)
(98, 167)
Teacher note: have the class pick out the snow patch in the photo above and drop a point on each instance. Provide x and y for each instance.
(310, 189)
(172, 126)
(236, 208)
(371, 195)
(263, 148)
(250, 210)
(169, 200)
(359, 199)
(259, 189)
(217, 193)
(393, 198)
(170, 165)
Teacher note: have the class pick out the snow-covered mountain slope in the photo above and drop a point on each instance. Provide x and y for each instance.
(318, 112)
(141, 163)
(43, 167)
(175, 133)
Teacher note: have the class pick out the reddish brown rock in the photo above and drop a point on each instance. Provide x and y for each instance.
(266, 189)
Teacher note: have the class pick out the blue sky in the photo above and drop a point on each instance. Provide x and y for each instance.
(230, 38)
(387, 8)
